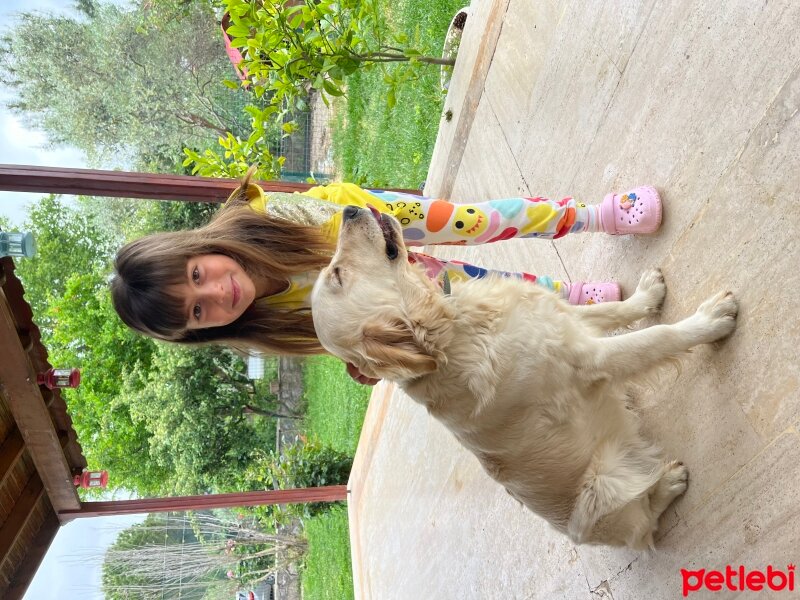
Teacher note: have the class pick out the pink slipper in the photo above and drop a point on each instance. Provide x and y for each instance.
(638, 211)
(594, 293)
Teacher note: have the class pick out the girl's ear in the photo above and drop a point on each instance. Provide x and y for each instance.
(393, 351)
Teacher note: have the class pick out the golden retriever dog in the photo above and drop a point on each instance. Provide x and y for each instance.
(525, 381)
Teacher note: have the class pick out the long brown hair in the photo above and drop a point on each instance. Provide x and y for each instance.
(266, 246)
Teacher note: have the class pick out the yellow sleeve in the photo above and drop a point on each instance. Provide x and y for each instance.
(347, 193)
(339, 194)
(344, 194)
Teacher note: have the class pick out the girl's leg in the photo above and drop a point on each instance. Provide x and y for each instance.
(574, 293)
(432, 221)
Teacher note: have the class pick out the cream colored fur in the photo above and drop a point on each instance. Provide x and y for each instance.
(525, 381)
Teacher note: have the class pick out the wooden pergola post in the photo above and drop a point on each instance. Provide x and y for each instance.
(126, 184)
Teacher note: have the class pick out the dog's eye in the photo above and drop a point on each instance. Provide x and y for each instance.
(337, 275)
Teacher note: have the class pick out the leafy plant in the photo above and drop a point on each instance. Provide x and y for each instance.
(240, 153)
(290, 48)
(306, 464)
(309, 464)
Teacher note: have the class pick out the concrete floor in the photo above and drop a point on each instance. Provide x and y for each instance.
(582, 98)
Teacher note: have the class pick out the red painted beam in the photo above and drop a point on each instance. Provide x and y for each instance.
(124, 184)
(332, 493)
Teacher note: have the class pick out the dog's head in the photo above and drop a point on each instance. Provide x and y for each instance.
(371, 307)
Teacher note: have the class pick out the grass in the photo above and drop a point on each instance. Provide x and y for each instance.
(378, 146)
(328, 574)
(335, 412)
(335, 404)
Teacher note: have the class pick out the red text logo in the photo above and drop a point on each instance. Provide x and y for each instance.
(738, 580)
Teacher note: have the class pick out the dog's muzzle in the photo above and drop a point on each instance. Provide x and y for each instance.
(350, 212)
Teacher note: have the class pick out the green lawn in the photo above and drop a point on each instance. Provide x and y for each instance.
(335, 412)
(335, 404)
(381, 147)
(328, 574)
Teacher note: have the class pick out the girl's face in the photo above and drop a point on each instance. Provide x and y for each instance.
(217, 291)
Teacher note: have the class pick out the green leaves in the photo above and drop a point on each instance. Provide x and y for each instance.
(331, 88)
(291, 50)
(305, 464)
(192, 401)
(240, 154)
(238, 31)
(159, 418)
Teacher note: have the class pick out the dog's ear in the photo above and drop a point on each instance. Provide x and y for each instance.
(393, 351)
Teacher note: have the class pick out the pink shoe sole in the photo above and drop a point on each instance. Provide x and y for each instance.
(637, 211)
(594, 293)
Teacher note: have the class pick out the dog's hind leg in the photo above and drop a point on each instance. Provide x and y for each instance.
(673, 483)
(646, 300)
(610, 357)
(613, 506)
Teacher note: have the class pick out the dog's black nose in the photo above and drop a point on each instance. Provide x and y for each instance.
(350, 212)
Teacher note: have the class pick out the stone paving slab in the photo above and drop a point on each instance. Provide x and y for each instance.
(561, 98)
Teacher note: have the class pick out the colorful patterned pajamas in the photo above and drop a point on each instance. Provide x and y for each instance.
(431, 221)
(458, 270)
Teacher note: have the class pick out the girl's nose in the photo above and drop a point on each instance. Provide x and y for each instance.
(215, 293)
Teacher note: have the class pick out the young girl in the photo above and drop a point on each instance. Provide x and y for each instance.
(244, 279)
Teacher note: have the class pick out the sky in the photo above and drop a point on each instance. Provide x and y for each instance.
(19, 145)
(71, 568)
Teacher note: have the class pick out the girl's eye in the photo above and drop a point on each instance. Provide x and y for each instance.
(196, 312)
(196, 275)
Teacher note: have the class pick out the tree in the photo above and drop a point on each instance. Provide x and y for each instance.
(193, 556)
(193, 402)
(89, 335)
(122, 219)
(121, 83)
(160, 418)
(290, 47)
(87, 7)
(68, 242)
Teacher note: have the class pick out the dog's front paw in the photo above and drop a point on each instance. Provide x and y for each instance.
(651, 291)
(675, 478)
(719, 312)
